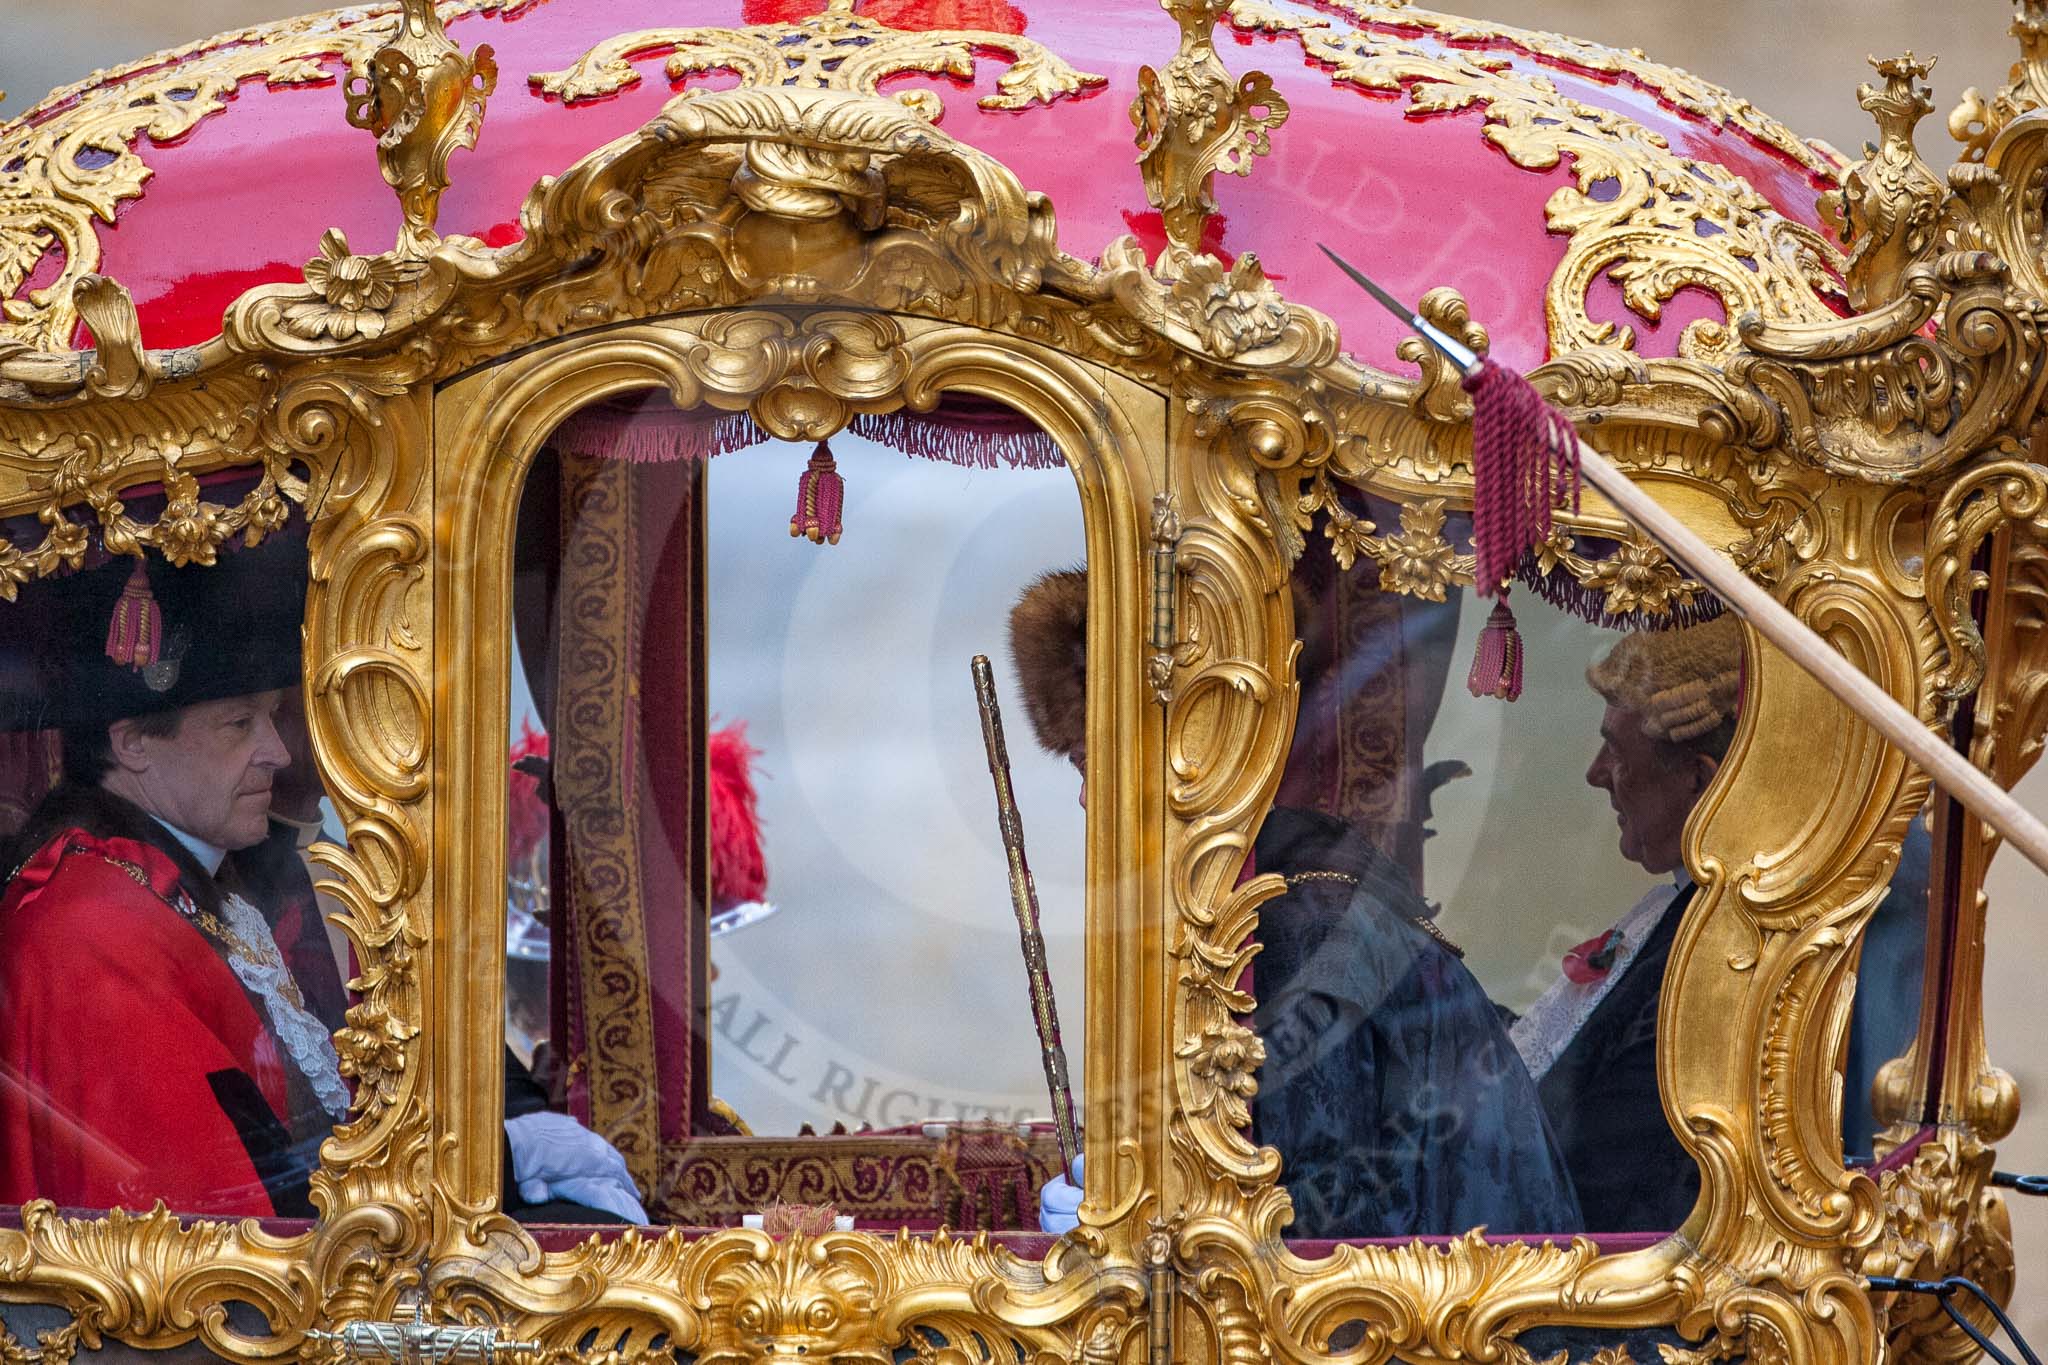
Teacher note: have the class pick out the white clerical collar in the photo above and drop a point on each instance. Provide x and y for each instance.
(208, 855)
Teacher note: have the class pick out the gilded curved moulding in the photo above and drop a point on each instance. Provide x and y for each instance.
(945, 272)
(737, 1295)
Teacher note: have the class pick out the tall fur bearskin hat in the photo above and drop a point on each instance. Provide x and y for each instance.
(1049, 648)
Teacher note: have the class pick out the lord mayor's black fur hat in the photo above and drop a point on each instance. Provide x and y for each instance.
(140, 637)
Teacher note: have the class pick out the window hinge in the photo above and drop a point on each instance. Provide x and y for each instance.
(1165, 595)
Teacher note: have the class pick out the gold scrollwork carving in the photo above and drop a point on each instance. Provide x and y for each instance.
(835, 49)
(1976, 121)
(1889, 208)
(423, 99)
(1986, 497)
(1942, 1219)
(1192, 122)
(1674, 222)
(943, 270)
(68, 163)
(1881, 395)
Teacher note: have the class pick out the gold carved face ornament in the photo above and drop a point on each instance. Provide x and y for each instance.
(796, 1299)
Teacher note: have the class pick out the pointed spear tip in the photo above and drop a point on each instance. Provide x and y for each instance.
(1359, 277)
(1455, 351)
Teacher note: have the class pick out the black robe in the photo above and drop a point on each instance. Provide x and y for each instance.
(1602, 1099)
(1398, 1103)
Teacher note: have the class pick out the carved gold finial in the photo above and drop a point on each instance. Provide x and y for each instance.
(423, 99)
(1976, 121)
(1192, 122)
(1889, 208)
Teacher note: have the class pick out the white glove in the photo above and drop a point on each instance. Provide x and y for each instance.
(1059, 1203)
(555, 1157)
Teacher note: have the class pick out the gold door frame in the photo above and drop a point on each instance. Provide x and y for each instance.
(413, 411)
(801, 375)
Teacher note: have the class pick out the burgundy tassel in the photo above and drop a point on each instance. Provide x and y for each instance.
(1497, 663)
(135, 636)
(819, 493)
(1525, 456)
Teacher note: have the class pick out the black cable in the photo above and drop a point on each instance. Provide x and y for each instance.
(2013, 1333)
(1944, 1292)
(2025, 1184)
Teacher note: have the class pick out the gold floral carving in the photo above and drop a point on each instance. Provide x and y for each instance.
(832, 50)
(1635, 578)
(69, 162)
(1674, 222)
(1943, 1219)
(744, 1298)
(54, 1345)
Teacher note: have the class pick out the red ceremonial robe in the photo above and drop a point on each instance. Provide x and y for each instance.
(119, 1022)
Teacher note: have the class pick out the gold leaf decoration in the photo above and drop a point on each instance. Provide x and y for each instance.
(67, 164)
(832, 50)
(1672, 222)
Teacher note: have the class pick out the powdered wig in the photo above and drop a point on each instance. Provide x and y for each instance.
(1049, 647)
(1685, 684)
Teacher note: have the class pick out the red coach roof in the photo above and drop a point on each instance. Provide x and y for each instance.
(1530, 171)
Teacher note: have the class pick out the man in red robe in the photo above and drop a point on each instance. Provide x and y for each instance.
(153, 1043)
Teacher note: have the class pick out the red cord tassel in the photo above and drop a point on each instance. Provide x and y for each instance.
(135, 635)
(819, 494)
(1525, 458)
(1497, 662)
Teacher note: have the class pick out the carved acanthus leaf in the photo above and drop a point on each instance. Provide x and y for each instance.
(1675, 222)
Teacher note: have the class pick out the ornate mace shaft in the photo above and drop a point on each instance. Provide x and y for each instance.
(1024, 899)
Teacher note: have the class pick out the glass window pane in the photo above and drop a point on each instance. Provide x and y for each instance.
(1890, 975)
(761, 946)
(168, 987)
(1458, 991)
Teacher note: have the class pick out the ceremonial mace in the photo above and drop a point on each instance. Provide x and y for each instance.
(1024, 899)
(1951, 772)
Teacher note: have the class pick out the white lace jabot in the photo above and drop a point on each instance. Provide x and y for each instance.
(253, 955)
(1542, 1034)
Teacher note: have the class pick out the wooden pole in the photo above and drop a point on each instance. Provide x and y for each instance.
(1950, 771)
